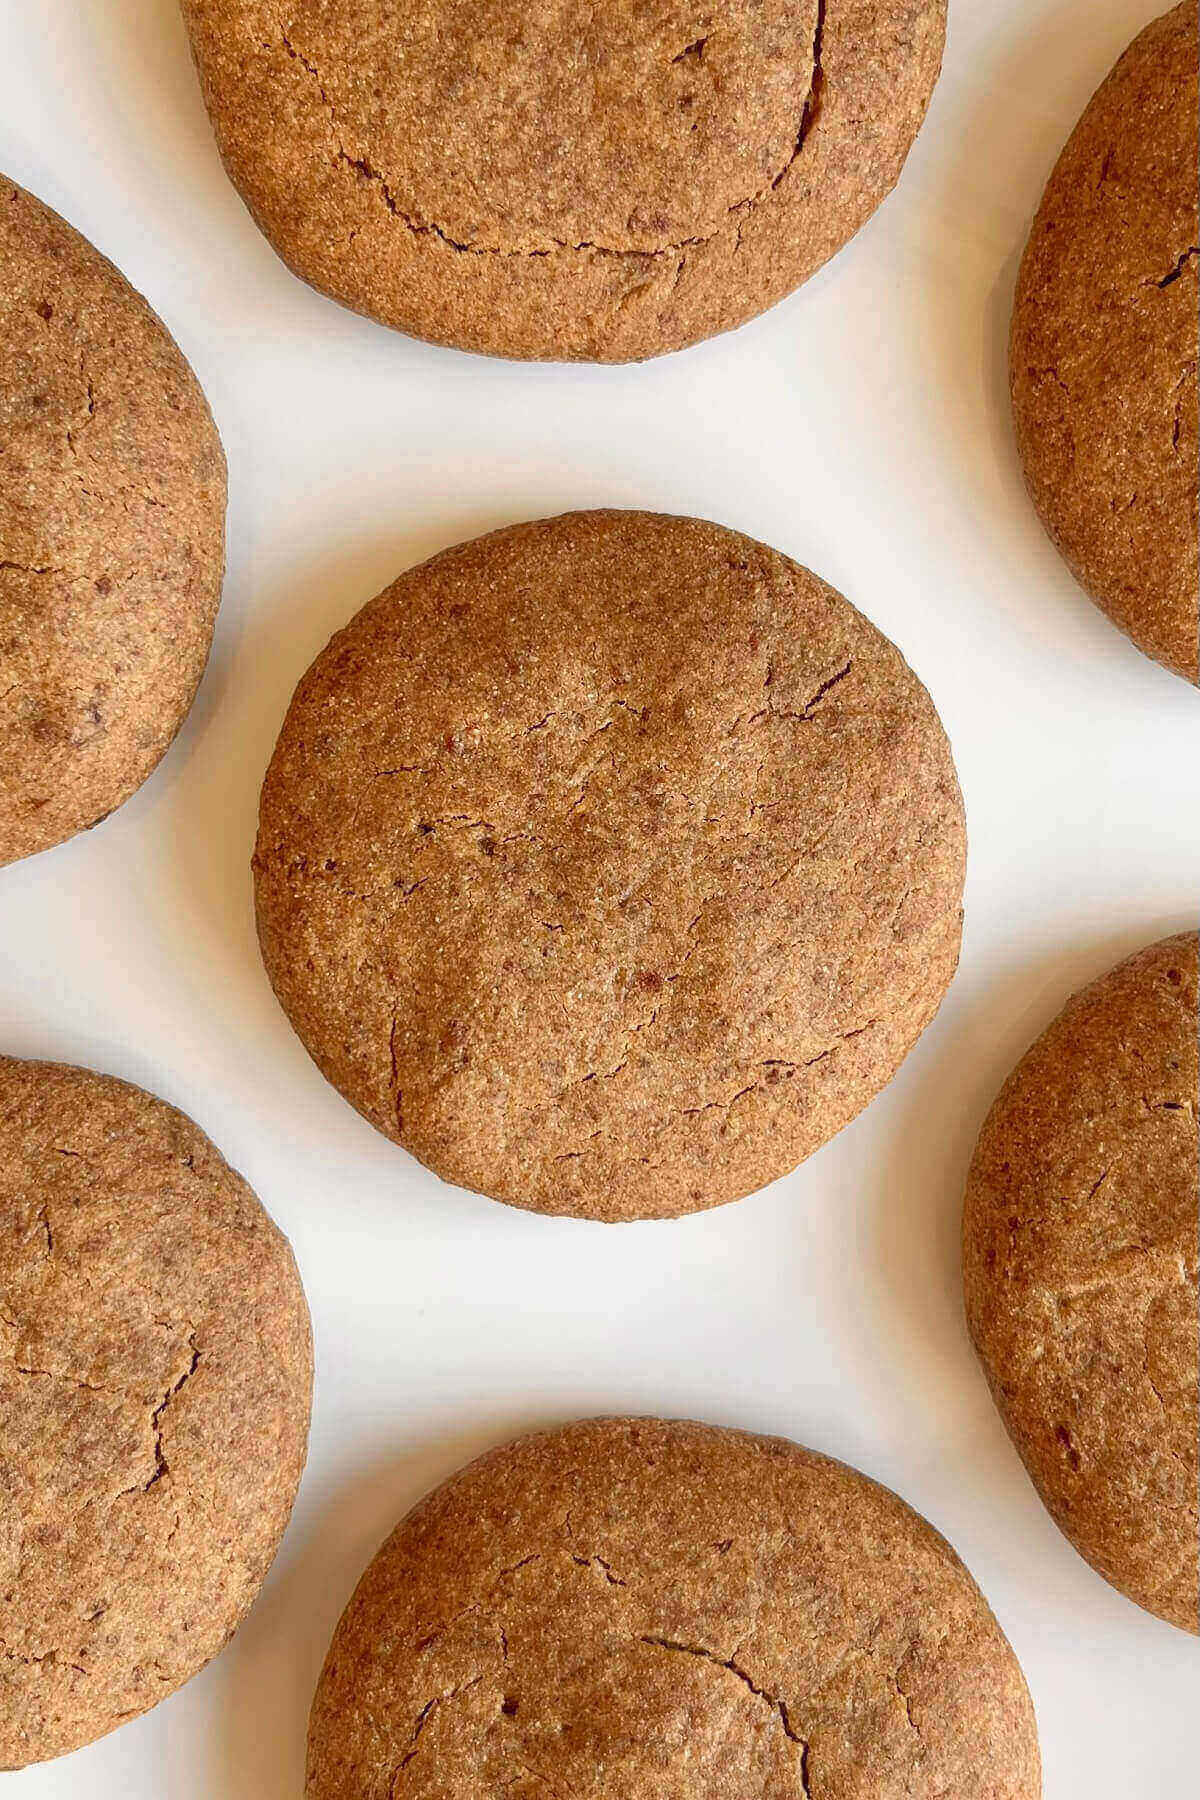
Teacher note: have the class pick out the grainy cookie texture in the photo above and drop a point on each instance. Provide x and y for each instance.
(112, 521)
(630, 1608)
(547, 178)
(155, 1385)
(611, 863)
(1080, 1261)
(1105, 346)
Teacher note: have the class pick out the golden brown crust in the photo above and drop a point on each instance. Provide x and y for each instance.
(112, 519)
(541, 180)
(1080, 1266)
(1104, 346)
(155, 1385)
(632, 1607)
(610, 863)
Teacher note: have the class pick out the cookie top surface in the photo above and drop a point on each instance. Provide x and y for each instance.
(610, 863)
(1080, 1265)
(631, 1607)
(1104, 346)
(112, 521)
(155, 1383)
(558, 180)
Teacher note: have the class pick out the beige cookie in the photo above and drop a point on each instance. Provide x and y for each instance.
(112, 522)
(672, 1612)
(1080, 1264)
(545, 178)
(1105, 345)
(611, 864)
(155, 1385)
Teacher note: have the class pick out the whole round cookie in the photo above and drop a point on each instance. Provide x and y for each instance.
(1104, 346)
(112, 524)
(610, 863)
(632, 1607)
(155, 1386)
(1080, 1264)
(545, 178)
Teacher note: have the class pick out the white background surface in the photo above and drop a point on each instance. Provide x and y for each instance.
(863, 428)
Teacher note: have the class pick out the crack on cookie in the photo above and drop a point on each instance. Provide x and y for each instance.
(606, 1569)
(161, 1466)
(502, 1575)
(52, 1658)
(799, 715)
(362, 166)
(816, 94)
(1175, 274)
(778, 1705)
(90, 392)
(806, 712)
(889, 1667)
(21, 568)
(693, 51)
(423, 1718)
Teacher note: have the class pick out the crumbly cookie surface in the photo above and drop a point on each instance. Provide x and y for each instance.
(555, 180)
(112, 522)
(610, 863)
(1105, 345)
(631, 1607)
(1080, 1262)
(155, 1384)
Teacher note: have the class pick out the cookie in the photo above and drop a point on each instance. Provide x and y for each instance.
(610, 863)
(112, 522)
(632, 1607)
(155, 1386)
(559, 181)
(1104, 347)
(1080, 1263)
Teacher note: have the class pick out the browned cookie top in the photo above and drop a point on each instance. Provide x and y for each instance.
(667, 1611)
(610, 863)
(112, 519)
(1104, 346)
(547, 178)
(155, 1381)
(1080, 1262)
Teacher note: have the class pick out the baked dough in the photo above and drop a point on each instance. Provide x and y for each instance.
(611, 864)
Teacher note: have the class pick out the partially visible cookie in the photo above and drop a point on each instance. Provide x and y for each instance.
(611, 863)
(1079, 1250)
(1105, 345)
(539, 179)
(155, 1385)
(635, 1608)
(112, 522)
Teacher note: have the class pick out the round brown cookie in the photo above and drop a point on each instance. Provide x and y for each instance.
(1104, 346)
(1080, 1265)
(155, 1385)
(543, 178)
(631, 1607)
(112, 510)
(610, 863)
